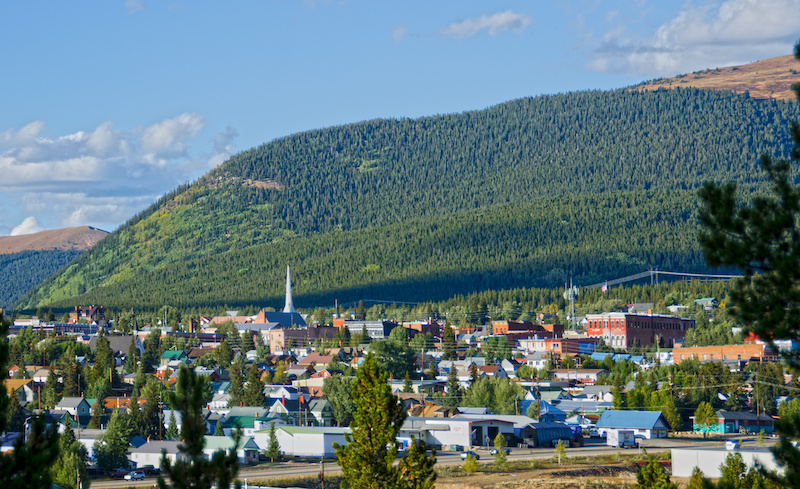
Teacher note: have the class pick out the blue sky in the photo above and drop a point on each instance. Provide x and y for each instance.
(110, 104)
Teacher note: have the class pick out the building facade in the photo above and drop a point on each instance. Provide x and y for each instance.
(623, 330)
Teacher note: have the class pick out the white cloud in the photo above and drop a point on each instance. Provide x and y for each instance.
(69, 209)
(29, 225)
(102, 176)
(493, 24)
(399, 33)
(717, 34)
(133, 6)
(171, 135)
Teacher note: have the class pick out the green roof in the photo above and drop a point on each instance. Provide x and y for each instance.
(245, 421)
(172, 354)
(224, 442)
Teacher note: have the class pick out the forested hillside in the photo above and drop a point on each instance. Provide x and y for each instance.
(530, 192)
(23, 270)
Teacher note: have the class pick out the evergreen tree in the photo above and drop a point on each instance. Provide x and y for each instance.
(705, 416)
(194, 469)
(416, 470)
(273, 449)
(453, 395)
(367, 460)
(408, 387)
(111, 450)
(449, 343)
(50, 393)
(254, 392)
(224, 353)
(152, 351)
(136, 418)
(247, 342)
(71, 463)
(500, 459)
(14, 416)
(130, 359)
(697, 480)
(69, 377)
(338, 390)
(96, 422)
(151, 414)
(653, 476)
(172, 431)
(236, 389)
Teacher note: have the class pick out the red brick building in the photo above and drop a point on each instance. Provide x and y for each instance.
(623, 330)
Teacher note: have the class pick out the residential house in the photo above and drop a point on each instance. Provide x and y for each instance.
(583, 376)
(246, 451)
(737, 422)
(75, 406)
(150, 453)
(649, 424)
(321, 412)
(22, 388)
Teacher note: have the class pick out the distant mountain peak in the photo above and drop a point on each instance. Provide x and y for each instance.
(768, 78)
(79, 238)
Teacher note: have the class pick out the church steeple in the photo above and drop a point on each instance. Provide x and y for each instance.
(288, 307)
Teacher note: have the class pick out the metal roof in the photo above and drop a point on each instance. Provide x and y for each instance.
(631, 419)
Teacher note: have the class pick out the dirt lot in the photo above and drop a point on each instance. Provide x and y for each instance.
(621, 475)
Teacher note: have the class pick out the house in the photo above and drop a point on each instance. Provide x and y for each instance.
(315, 358)
(650, 424)
(120, 345)
(600, 393)
(247, 451)
(22, 388)
(460, 430)
(321, 412)
(75, 406)
(737, 422)
(538, 360)
(305, 441)
(170, 356)
(581, 375)
(707, 303)
(150, 453)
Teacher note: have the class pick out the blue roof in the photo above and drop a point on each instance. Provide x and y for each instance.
(637, 358)
(621, 356)
(630, 419)
(599, 356)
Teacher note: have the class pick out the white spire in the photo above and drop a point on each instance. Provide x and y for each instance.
(288, 307)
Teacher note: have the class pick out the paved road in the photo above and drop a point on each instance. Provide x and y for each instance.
(592, 447)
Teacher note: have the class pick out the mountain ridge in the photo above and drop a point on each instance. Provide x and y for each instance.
(770, 78)
(78, 238)
(289, 198)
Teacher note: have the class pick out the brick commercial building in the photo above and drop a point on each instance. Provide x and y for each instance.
(741, 353)
(623, 330)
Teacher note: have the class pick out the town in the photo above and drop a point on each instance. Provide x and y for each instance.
(618, 376)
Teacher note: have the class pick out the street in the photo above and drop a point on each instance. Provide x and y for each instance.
(592, 447)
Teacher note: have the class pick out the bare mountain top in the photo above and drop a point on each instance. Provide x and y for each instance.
(768, 78)
(79, 238)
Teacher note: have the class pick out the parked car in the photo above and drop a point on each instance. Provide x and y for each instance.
(470, 453)
(150, 470)
(593, 433)
(493, 451)
(136, 475)
(118, 473)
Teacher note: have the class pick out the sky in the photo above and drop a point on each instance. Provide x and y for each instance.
(108, 105)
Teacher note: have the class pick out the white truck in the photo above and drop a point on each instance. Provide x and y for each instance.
(621, 438)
